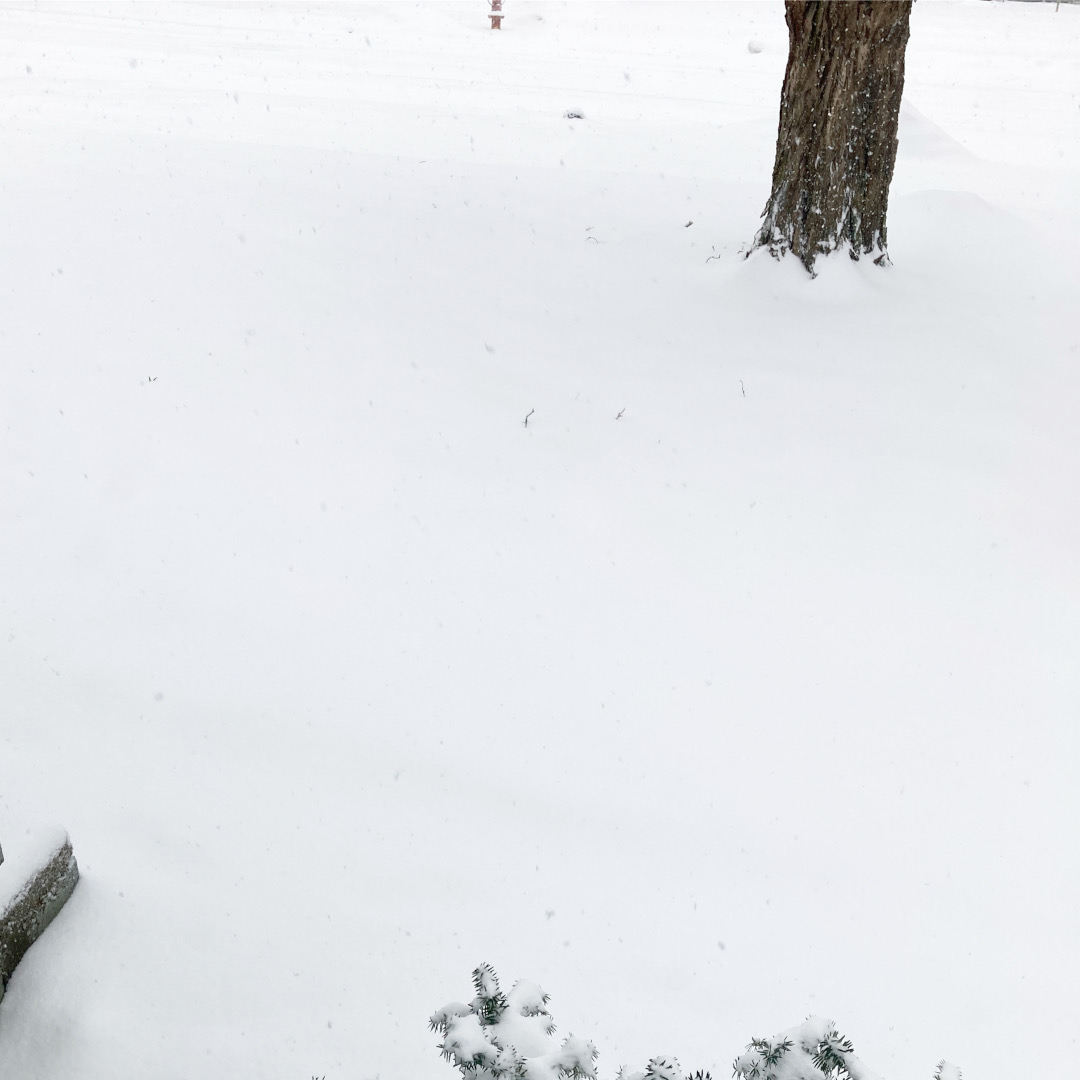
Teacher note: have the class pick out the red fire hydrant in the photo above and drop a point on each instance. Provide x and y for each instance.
(496, 15)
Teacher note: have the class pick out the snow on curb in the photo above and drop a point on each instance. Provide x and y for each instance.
(35, 883)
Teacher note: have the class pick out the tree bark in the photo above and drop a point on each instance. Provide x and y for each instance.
(836, 144)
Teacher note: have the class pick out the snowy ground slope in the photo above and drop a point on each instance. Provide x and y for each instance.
(756, 702)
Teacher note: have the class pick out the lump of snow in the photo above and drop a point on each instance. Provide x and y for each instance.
(467, 1044)
(527, 999)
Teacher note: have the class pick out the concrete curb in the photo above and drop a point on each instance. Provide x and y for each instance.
(34, 906)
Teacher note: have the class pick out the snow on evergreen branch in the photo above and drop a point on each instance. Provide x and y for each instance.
(490, 1002)
(814, 1050)
(659, 1068)
(510, 1036)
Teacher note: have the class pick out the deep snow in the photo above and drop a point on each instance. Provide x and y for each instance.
(758, 701)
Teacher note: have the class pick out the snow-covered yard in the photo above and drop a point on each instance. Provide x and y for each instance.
(740, 683)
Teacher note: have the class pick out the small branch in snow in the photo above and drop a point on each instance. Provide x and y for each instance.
(621, 411)
(530, 412)
(26, 912)
(742, 388)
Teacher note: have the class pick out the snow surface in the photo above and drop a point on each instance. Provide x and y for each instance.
(738, 685)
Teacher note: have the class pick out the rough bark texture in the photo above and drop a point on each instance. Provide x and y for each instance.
(836, 146)
(36, 905)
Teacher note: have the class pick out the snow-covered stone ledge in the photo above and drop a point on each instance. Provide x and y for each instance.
(35, 883)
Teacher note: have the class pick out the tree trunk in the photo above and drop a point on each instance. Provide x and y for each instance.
(836, 146)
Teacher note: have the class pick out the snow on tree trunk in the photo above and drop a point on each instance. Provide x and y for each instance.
(836, 145)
